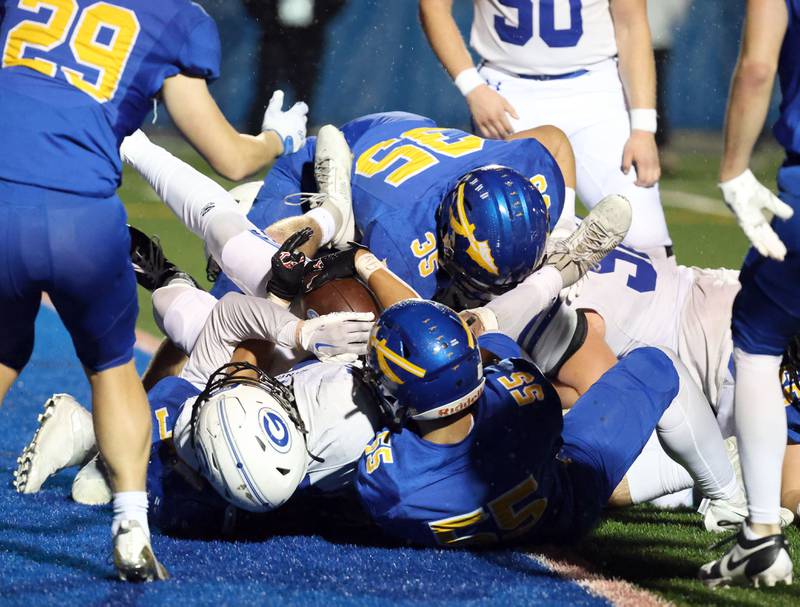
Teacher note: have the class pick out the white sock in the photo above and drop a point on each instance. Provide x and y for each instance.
(566, 221)
(761, 432)
(180, 311)
(655, 474)
(326, 222)
(689, 433)
(246, 259)
(130, 506)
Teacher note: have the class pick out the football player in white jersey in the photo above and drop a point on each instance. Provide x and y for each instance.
(585, 66)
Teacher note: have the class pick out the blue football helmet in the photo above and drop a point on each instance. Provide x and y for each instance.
(425, 361)
(492, 229)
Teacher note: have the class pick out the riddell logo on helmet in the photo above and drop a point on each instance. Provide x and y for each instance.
(445, 411)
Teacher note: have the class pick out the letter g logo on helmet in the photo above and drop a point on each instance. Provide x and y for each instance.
(276, 430)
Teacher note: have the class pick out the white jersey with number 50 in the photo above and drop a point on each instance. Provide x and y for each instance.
(543, 37)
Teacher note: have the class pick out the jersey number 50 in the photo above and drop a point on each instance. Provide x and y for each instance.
(523, 31)
(102, 41)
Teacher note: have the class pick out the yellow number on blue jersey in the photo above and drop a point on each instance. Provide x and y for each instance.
(512, 514)
(410, 154)
(428, 254)
(162, 415)
(108, 59)
(540, 183)
(378, 452)
(522, 387)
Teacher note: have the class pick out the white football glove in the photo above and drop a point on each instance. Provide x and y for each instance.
(754, 206)
(290, 125)
(133, 146)
(336, 334)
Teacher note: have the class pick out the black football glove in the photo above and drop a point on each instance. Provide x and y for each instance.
(288, 266)
(341, 264)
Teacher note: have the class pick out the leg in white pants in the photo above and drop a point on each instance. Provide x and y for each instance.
(591, 110)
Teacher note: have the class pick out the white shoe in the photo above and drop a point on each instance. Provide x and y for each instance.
(90, 486)
(133, 555)
(763, 561)
(724, 515)
(333, 163)
(64, 438)
(597, 235)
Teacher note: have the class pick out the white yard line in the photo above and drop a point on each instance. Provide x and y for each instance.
(618, 592)
(695, 202)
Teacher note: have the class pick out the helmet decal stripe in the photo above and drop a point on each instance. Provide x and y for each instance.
(242, 466)
(479, 250)
(470, 336)
(384, 352)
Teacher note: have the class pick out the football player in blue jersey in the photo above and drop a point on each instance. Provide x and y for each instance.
(78, 76)
(483, 456)
(765, 313)
(402, 181)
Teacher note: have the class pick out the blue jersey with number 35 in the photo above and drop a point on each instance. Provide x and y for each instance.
(502, 483)
(79, 75)
(403, 166)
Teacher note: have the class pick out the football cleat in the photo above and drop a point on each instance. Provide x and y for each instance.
(153, 270)
(599, 233)
(64, 438)
(763, 561)
(333, 163)
(133, 555)
(91, 486)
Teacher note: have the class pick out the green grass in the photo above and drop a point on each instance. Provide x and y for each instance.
(657, 550)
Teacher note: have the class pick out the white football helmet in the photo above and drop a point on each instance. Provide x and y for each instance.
(249, 438)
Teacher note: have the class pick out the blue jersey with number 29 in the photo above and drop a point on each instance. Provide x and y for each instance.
(79, 75)
(403, 167)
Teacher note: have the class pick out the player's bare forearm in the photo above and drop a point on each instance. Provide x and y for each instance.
(637, 68)
(557, 143)
(752, 82)
(444, 36)
(386, 286)
(198, 117)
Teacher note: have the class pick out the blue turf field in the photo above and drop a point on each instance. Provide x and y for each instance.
(53, 551)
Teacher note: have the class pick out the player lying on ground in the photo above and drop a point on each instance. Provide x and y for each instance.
(633, 299)
(494, 215)
(485, 456)
(324, 417)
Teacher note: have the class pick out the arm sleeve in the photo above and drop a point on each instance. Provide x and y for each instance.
(516, 309)
(552, 336)
(237, 318)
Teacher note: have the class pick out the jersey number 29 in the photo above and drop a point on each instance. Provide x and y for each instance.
(101, 42)
(523, 31)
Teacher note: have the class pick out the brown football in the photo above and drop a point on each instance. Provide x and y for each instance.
(340, 295)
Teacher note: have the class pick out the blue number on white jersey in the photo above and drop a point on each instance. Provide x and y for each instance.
(523, 31)
(642, 278)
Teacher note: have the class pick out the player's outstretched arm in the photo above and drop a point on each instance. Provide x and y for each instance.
(488, 107)
(751, 90)
(230, 153)
(637, 71)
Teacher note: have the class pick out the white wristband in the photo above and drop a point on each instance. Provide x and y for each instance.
(468, 80)
(644, 120)
(367, 265)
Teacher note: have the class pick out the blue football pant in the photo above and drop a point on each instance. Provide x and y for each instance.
(766, 312)
(76, 249)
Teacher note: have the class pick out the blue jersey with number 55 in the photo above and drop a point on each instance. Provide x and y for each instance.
(403, 166)
(79, 75)
(501, 484)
